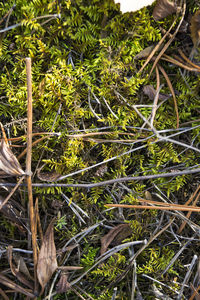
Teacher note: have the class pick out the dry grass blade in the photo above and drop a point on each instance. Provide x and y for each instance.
(38, 222)
(173, 94)
(155, 103)
(28, 168)
(188, 60)
(15, 287)
(47, 262)
(187, 203)
(163, 206)
(178, 63)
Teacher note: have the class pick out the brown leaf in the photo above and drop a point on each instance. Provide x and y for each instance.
(15, 287)
(163, 8)
(151, 93)
(15, 271)
(47, 176)
(195, 28)
(145, 52)
(63, 284)
(22, 266)
(8, 161)
(115, 236)
(47, 262)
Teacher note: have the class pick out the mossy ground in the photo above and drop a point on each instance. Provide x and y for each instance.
(83, 68)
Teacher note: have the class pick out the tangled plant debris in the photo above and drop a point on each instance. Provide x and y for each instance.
(99, 155)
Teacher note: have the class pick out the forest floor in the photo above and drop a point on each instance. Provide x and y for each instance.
(99, 155)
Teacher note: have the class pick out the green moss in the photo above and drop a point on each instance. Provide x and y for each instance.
(81, 58)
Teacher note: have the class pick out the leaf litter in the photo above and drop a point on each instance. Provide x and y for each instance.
(46, 270)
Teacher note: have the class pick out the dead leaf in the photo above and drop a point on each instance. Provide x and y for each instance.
(47, 176)
(47, 262)
(195, 28)
(15, 287)
(21, 265)
(8, 161)
(15, 270)
(115, 236)
(163, 8)
(151, 93)
(63, 284)
(145, 52)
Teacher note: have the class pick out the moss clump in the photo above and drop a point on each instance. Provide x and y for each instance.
(85, 82)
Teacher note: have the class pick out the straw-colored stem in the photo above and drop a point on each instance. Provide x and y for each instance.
(178, 207)
(28, 168)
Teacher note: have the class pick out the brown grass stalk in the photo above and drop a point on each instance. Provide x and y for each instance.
(188, 202)
(173, 94)
(28, 168)
(170, 207)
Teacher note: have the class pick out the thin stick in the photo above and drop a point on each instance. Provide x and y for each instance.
(28, 168)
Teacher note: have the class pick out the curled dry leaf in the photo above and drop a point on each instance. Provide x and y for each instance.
(115, 236)
(163, 9)
(195, 28)
(8, 162)
(47, 262)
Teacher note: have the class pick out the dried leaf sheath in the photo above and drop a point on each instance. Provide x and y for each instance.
(8, 161)
(47, 263)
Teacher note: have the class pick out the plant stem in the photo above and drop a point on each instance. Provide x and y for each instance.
(28, 168)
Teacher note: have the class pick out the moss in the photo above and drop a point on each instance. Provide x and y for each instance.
(85, 79)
